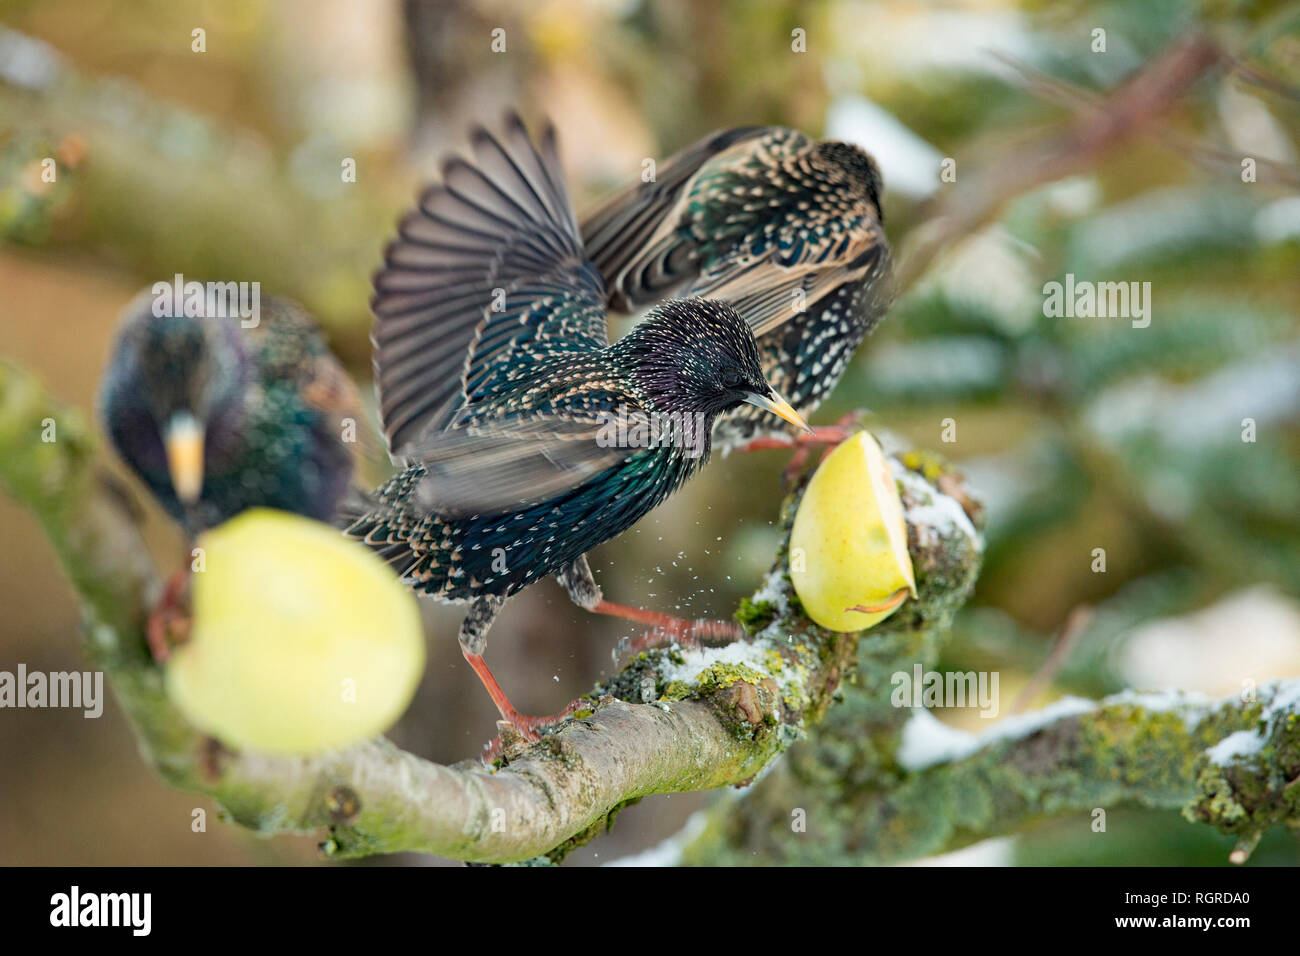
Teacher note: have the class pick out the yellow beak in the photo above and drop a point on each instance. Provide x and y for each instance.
(183, 440)
(778, 406)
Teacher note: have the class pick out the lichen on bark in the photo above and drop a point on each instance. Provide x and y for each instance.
(674, 720)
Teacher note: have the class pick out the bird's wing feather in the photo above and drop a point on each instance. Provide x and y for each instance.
(494, 461)
(629, 235)
(748, 216)
(762, 287)
(487, 275)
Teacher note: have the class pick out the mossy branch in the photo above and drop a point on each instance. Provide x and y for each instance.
(678, 721)
(868, 794)
(670, 722)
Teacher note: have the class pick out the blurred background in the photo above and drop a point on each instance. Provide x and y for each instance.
(1113, 157)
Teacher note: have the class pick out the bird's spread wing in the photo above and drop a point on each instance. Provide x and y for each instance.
(756, 217)
(487, 277)
(620, 231)
(501, 458)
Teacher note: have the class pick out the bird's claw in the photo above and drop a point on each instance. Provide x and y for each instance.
(169, 620)
(517, 731)
(691, 635)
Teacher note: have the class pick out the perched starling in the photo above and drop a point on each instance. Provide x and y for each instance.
(786, 228)
(527, 437)
(215, 418)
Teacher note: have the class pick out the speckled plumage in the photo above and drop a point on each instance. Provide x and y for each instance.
(767, 219)
(269, 398)
(498, 389)
(521, 486)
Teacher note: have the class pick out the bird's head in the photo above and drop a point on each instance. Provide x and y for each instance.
(700, 356)
(169, 379)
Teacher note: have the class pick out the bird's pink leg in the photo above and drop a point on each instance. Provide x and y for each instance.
(168, 620)
(528, 727)
(820, 435)
(667, 629)
(828, 435)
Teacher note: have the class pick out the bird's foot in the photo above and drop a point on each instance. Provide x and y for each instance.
(529, 728)
(827, 436)
(691, 635)
(666, 629)
(169, 620)
(515, 730)
(532, 728)
(820, 435)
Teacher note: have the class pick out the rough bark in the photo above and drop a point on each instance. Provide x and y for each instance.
(676, 721)
(672, 721)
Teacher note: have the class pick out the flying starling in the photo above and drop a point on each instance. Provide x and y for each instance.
(786, 228)
(215, 417)
(526, 437)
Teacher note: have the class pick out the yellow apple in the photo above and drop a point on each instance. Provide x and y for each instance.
(848, 546)
(302, 640)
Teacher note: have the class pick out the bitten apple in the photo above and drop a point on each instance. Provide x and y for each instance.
(848, 547)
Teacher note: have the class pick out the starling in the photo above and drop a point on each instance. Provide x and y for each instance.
(526, 437)
(786, 228)
(215, 417)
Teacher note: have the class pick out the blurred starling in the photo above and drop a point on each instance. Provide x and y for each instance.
(503, 396)
(786, 228)
(215, 418)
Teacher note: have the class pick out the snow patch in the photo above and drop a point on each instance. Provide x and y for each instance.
(1192, 703)
(1241, 744)
(1019, 726)
(1279, 220)
(994, 273)
(931, 511)
(963, 362)
(1208, 412)
(1285, 699)
(927, 741)
(697, 660)
(775, 591)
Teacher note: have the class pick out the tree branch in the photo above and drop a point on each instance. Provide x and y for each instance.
(876, 782)
(1233, 763)
(672, 721)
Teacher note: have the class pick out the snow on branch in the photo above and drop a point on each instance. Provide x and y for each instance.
(672, 721)
(875, 782)
(908, 786)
